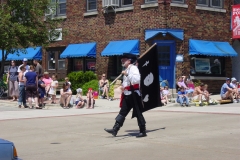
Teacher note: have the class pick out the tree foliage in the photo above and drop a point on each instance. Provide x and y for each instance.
(23, 24)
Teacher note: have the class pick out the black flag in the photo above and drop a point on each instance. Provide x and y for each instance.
(149, 85)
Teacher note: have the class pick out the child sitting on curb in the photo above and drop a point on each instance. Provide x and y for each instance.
(182, 97)
(79, 100)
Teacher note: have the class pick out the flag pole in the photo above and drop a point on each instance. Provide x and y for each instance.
(135, 62)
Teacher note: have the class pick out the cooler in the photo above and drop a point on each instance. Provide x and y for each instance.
(95, 95)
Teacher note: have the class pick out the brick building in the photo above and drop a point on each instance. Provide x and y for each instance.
(178, 28)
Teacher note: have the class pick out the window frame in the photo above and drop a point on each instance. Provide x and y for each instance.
(175, 1)
(56, 7)
(147, 1)
(91, 10)
(209, 4)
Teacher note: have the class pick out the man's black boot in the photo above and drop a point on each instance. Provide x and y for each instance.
(118, 124)
(114, 130)
(142, 131)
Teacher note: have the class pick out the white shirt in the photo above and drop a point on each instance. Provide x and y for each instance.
(27, 68)
(133, 77)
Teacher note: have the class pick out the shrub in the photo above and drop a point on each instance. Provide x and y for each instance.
(111, 90)
(92, 84)
(5, 78)
(78, 79)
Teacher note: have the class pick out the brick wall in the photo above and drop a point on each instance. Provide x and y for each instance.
(102, 28)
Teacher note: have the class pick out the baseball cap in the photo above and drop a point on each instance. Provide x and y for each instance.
(25, 59)
(228, 79)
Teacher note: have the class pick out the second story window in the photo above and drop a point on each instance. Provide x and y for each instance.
(149, 1)
(127, 2)
(60, 7)
(211, 3)
(236, 2)
(91, 5)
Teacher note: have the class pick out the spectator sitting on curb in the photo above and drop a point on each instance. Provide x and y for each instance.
(182, 97)
(199, 93)
(234, 86)
(163, 97)
(181, 83)
(167, 93)
(66, 95)
(79, 100)
(90, 100)
(226, 91)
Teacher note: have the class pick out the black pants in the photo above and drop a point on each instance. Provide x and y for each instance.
(128, 104)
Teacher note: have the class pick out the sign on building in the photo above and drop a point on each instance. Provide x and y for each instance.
(235, 21)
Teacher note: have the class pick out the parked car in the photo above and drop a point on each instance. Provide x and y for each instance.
(8, 150)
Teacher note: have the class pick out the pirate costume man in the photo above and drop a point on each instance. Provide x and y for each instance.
(131, 97)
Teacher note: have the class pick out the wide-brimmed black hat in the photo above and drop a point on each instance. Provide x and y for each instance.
(130, 56)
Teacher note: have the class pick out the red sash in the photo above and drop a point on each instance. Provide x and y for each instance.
(135, 87)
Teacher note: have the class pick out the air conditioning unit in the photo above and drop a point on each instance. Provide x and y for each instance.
(55, 35)
(107, 3)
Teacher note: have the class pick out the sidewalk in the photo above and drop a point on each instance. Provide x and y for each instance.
(98, 102)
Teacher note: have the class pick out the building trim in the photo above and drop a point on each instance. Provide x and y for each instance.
(90, 13)
(178, 5)
(208, 78)
(211, 9)
(124, 9)
(149, 5)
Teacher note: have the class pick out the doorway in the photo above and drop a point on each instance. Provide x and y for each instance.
(54, 64)
(166, 61)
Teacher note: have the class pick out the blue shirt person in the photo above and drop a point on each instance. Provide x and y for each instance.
(226, 90)
(182, 97)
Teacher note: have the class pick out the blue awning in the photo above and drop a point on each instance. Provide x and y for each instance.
(120, 47)
(80, 50)
(211, 48)
(177, 33)
(31, 53)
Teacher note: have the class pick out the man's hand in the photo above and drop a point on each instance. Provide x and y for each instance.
(124, 73)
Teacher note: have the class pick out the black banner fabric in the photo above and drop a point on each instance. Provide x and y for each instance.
(149, 85)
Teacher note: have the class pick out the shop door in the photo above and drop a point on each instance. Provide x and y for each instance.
(55, 65)
(166, 61)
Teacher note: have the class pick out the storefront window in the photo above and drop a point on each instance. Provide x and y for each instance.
(207, 66)
(77, 64)
(51, 60)
(61, 64)
(90, 65)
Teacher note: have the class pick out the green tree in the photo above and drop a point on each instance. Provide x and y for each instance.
(23, 24)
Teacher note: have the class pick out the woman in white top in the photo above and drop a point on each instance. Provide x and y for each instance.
(53, 89)
(66, 95)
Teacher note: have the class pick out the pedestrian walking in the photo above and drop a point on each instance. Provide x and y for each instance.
(131, 97)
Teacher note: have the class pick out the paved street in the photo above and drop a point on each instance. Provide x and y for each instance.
(211, 132)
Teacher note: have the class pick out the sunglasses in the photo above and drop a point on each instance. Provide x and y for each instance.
(103, 76)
